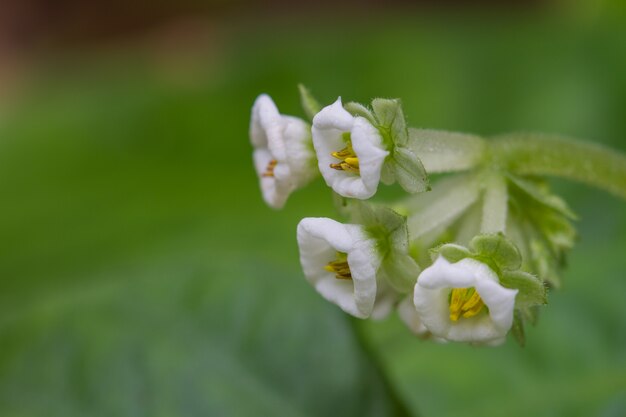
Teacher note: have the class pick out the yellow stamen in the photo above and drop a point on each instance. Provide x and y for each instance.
(339, 267)
(349, 160)
(269, 170)
(465, 302)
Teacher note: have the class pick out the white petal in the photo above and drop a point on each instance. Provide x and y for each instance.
(443, 274)
(334, 117)
(300, 153)
(286, 140)
(501, 303)
(432, 304)
(274, 192)
(266, 127)
(474, 330)
(408, 314)
(319, 239)
(433, 309)
(386, 299)
(367, 143)
(329, 125)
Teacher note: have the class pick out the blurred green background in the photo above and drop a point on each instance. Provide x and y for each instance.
(142, 275)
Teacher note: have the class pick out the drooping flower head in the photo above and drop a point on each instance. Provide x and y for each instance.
(464, 302)
(350, 151)
(340, 261)
(283, 154)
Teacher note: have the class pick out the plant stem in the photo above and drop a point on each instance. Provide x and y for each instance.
(495, 204)
(540, 154)
(399, 406)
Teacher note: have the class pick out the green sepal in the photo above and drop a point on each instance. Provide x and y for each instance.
(400, 271)
(387, 174)
(408, 170)
(389, 230)
(558, 231)
(451, 252)
(499, 249)
(402, 164)
(539, 192)
(371, 215)
(531, 314)
(531, 290)
(545, 263)
(517, 330)
(309, 104)
(391, 118)
(357, 109)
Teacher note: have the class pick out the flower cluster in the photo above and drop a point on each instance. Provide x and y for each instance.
(468, 259)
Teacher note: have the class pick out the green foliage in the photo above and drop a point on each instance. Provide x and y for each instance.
(131, 207)
(310, 105)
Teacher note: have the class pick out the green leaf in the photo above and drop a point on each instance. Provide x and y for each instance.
(391, 117)
(499, 249)
(309, 104)
(409, 171)
(357, 109)
(531, 290)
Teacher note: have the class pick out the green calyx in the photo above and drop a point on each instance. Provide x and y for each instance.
(390, 232)
(504, 258)
(402, 164)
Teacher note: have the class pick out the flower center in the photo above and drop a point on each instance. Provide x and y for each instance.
(465, 302)
(269, 170)
(349, 160)
(339, 266)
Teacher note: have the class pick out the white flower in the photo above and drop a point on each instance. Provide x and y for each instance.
(283, 158)
(340, 261)
(464, 302)
(408, 314)
(350, 151)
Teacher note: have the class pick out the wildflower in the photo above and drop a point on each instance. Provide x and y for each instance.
(350, 151)
(341, 261)
(283, 156)
(464, 301)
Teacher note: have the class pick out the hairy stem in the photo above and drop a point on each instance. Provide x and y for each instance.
(495, 204)
(540, 154)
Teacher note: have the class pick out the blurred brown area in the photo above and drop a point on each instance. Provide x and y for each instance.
(47, 23)
(32, 31)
